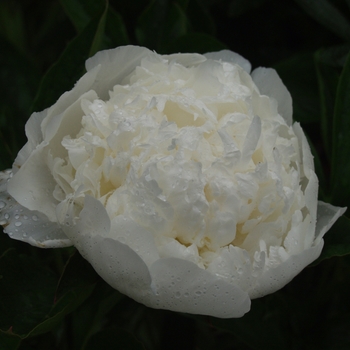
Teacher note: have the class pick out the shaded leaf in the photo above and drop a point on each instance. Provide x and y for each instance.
(81, 12)
(337, 240)
(159, 24)
(70, 66)
(115, 29)
(266, 320)
(27, 289)
(200, 18)
(298, 73)
(75, 286)
(8, 341)
(111, 339)
(196, 42)
(149, 25)
(328, 78)
(327, 14)
(340, 179)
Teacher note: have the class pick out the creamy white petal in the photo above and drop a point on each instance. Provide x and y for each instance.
(327, 215)
(270, 84)
(26, 225)
(180, 285)
(115, 65)
(275, 278)
(35, 137)
(230, 56)
(33, 185)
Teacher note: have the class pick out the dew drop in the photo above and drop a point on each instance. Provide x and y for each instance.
(2, 205)
(25, 234)
(177, 295)
(16, 216)
(18, 224)
(25, 217)
(7, 216)
(35, 218)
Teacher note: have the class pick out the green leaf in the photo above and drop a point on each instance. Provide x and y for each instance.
(200, 18)
(298, 73)
(9, 341)
(31, 303)
(75, 286)
(149, 25)
(328, 15)
(337, 240)
(12, 25)
(27, 289)
(70, 66)
(340, 177)
(114, 338)
(82, 12)
(262, 327)
(159, 24)
(196, 43)
(328, 78)
(115, 29)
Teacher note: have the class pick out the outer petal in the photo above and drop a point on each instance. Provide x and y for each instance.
(26, 225)
(274, 279)
(230, 56)
(33, 184)
(171, 283)
(327, 215)
(270, 84)
(115, 65)
(182, 286)
(35, 137)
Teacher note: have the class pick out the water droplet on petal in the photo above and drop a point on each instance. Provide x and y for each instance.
(18, 223)
(7, 216)
(2, 205)
(16, 216)
(35, 218)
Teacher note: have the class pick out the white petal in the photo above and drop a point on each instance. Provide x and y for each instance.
(327, 215)
(115, 65)
(274, 279)
(270, 84)
(231, 57)
(138, 238)
(182, 286)
(185, 59)
(306, 155)
(33, 184)
(26, 225)
(35, 137)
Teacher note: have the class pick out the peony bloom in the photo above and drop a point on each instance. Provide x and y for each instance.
(180, 178)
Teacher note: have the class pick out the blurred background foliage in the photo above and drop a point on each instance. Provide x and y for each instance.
(52, 299)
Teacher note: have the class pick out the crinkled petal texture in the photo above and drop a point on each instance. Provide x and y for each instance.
(180, 178)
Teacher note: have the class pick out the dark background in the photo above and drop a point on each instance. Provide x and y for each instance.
(52, 299)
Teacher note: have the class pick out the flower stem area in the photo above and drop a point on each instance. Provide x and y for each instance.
(53, 298)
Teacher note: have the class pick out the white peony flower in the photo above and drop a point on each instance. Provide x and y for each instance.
(180, 178)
